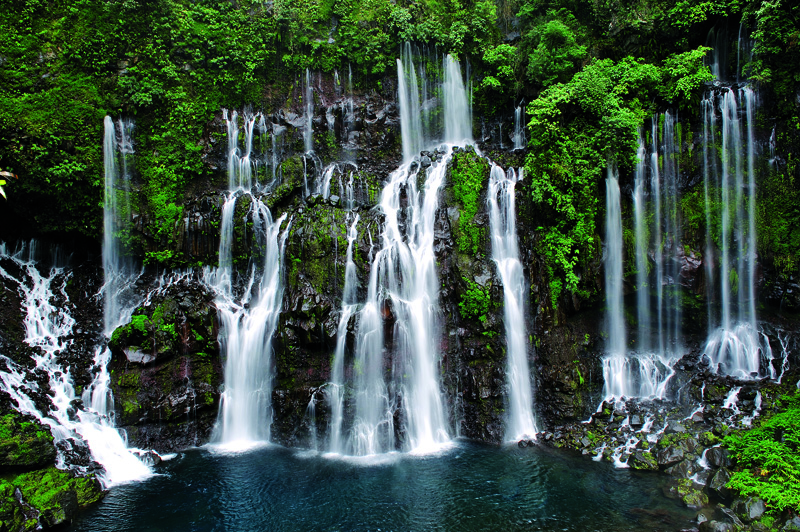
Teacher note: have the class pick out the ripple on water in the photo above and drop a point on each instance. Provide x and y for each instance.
(469, 487)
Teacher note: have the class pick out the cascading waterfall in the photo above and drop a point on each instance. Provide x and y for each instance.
(49, 326)
(647, 370)
(408, 98)
(734, 346)
(641, 237)
(248, 316)
(519, 128)
(403, 287)
(336, 389)
(665, 190)
(505, 253)
(457, 110)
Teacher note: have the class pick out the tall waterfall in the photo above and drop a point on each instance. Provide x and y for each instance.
(117, 268)
(617, 381)
(457, 110)
(248, 314)
(349, 305)
(49, 326)
(399, 324)
(308, 104)
(505, 253)
(408, 97)
(641, 236)
(734, 344)
(646, 370)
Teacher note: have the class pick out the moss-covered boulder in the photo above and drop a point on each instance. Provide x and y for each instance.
(44, 498)
(166, 371)
(25, 443)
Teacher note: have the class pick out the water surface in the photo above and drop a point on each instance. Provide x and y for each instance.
(468, 487)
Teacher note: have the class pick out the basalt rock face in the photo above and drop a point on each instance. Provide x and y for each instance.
(165, 369)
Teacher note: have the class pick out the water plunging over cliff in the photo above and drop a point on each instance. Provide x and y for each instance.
(49, 326)
(400, 317)
(519, 128)
(646, 369)
(616, 376)
(336, 388)
(248, 314)
(520, 422)
(734, 345)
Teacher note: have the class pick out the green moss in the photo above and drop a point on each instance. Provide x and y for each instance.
(24, 444)
(475, 303)
(48, 491)
(469, 173)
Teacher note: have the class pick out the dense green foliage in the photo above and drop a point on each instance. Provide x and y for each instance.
(468, 174)
(603, 69)
(475, 303)
(592, 71)
(768, 457)
(51, 493)
(579, 128)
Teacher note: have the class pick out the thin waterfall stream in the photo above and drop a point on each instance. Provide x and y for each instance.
(521, 423)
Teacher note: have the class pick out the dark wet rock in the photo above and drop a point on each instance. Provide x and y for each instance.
(683, 469)
(166, 370)
(748, 510)
(675, 427)
(716, 526)
(670, 455)
(718, 457)
(730, 514)
(717, 484)
(792, 525)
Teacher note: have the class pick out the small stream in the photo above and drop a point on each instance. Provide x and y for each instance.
(467, 487)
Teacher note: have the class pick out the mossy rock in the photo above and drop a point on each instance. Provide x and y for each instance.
(24, 443)
(50, 497)
(643, 461)
(149, 335)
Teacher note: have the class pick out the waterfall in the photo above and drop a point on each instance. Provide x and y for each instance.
(49, 326)
(617, 381)
(248, 315)
(667, 241)
(505, 253)
(349, 305)
(734, 345)
(641, 237)
(457, 110)
(408, 98)
(308, 105)
(519, 128)
(118, 269)
(398, 328)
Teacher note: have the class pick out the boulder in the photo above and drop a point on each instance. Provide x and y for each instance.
(25, 443)
(643, 460)
(717, 484)
(670, 455)
(718, 457)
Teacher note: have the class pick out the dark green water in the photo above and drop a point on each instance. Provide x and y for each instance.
(469, 487)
